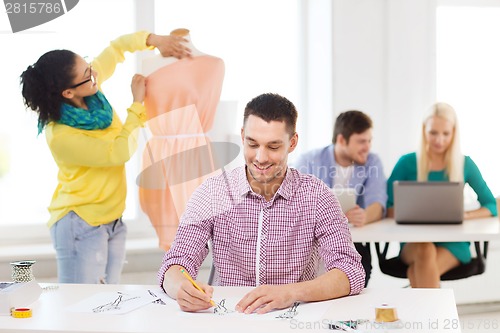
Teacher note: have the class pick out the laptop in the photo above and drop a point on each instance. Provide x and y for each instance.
(346, 196)
(428, 202)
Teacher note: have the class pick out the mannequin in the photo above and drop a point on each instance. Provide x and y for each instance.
(181, 101)
(149, 65)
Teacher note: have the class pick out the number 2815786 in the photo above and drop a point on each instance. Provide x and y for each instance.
(33, 8)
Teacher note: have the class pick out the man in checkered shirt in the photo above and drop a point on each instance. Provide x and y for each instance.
(269, 225)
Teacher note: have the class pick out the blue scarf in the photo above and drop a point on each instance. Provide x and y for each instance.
(98, 116)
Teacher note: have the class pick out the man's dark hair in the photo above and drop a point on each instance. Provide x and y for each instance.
(350, 122)
(271, 107)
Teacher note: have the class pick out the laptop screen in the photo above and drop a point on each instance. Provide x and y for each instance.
(428, 202)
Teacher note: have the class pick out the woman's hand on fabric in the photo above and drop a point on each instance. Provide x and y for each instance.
(138, 86)
(170, 46)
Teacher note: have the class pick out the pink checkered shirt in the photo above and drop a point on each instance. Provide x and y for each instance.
(255, 241)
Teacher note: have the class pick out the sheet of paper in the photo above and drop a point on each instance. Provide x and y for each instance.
(114, 302)
(225, 310)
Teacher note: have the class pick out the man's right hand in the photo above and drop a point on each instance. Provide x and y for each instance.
(356, 216)
(178, 287)
(191, 299)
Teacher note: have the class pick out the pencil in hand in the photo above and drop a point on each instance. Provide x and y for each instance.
(186, 274)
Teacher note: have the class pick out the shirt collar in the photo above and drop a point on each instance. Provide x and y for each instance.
(289, 184)
(243, 186)
(286, 189)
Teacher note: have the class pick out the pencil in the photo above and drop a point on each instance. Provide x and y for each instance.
(186, 274)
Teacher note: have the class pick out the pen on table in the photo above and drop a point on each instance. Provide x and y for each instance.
(186, 274)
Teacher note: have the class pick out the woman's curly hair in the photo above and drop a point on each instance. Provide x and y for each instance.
(44, 81)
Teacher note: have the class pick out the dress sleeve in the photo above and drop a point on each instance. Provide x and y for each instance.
(474, 178)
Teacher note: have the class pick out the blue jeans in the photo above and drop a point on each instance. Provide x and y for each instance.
(87, 254)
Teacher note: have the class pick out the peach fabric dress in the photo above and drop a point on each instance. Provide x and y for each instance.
(181, 102)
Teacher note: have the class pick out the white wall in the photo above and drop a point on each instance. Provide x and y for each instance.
(383, 64)
(359, 65)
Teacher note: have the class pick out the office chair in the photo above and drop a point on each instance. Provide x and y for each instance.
(396, 268)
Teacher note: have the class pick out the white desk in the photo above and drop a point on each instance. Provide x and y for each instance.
(484, 229)
(420, 308)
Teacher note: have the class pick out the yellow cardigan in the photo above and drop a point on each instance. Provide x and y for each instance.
(91, 178)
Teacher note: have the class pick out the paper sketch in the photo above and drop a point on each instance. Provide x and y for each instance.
(221, 309)
(116, 305)
(114, 302)
(158, 299)
(226, 307)
(291, 312)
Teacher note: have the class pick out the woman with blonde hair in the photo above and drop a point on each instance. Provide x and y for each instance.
(439, 159)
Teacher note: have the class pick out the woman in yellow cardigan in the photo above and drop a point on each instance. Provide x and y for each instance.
(90, 146)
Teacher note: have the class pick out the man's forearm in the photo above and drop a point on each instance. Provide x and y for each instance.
(374, 212)
(330, 285)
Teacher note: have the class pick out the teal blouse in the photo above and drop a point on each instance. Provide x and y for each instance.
(406, 169)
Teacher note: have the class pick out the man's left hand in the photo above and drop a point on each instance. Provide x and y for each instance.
(266, 298)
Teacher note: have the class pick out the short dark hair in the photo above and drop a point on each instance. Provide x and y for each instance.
(271, 107)
(350, 122)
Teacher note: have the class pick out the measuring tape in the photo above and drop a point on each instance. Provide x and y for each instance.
(385, 314)
(21, 313)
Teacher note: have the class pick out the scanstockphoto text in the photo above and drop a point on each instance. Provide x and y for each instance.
(435, 324)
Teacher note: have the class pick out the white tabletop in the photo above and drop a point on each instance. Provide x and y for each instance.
(387, 230)
(419, 308)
